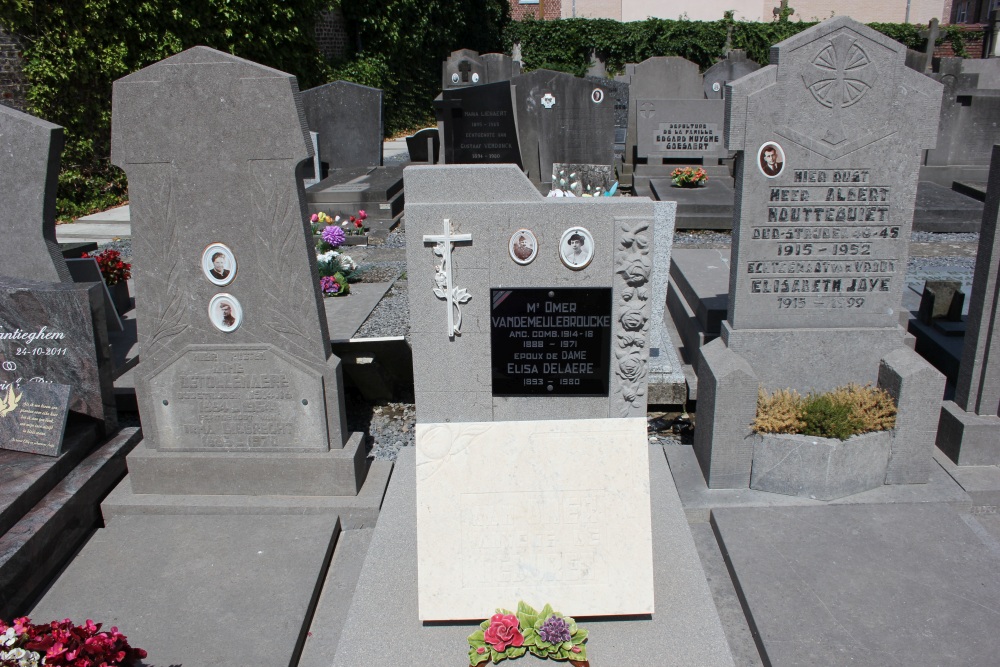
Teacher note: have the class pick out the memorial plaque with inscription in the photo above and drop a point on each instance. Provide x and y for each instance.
(681, 128)
(479, 125)
(253, 398)
(550, 341)
(55, 333)
(33, 417)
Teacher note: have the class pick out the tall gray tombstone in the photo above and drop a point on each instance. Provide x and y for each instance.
(730, 68)
(238, 389)
(29, 171)
(562, 118)
(969, 429)
(348, 119)
(830, 141)
(530, 326)
(657, 78)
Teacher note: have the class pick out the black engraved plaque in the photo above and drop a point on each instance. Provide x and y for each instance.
(550, 342)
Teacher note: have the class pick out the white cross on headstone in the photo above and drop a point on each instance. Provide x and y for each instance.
(445, 288)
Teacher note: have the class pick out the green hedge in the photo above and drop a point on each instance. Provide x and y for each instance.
(75, 49)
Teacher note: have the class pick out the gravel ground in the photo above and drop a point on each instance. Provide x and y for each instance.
(391, 316)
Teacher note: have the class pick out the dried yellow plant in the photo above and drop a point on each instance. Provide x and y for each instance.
(863, 409)
(780, 412)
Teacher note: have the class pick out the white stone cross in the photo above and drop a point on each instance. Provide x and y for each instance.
(443, 279)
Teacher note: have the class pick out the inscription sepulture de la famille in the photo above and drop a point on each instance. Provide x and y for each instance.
(831, 138)
(530, 322)
(236, 359)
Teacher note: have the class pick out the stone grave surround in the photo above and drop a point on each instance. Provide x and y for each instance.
(814, 303)
(348, 119)
(236, 370)
(562, 118)
(465, 67)
(496, 394)
(969, 428)
(29, 172)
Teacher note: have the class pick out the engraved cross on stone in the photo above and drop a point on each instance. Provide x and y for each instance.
(840, 76)
(443, 279)
(465, 67)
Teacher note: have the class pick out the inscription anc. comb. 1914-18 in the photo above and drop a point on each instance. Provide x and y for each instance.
(825, 241)
(550, 341)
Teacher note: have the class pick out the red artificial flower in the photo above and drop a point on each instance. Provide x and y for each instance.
(504, 631)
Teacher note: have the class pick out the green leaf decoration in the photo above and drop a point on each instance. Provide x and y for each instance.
(545, 612)
(516, 652)
(580, 635)
(477, 636)
(477, 658)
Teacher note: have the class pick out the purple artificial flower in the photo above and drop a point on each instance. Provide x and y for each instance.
(554, 630)
(333, 235)
(329, 285)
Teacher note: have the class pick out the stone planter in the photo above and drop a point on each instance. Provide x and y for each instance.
(819, 468)
(120, 297)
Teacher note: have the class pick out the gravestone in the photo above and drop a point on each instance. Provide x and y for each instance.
(730, 68)
(55, 333)
(465, 67)
(424, 146)
(530, 324)
(562, 118)
(29, 169)
(238, 390)
(477, 125)
(824, 206)
(969, 428)
(348, 119)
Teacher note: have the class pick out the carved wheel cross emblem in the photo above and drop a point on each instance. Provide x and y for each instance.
(841, 74)
(646, 110)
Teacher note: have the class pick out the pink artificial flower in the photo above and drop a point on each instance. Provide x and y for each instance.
(314, 218)
(504, 631)
(362, 214)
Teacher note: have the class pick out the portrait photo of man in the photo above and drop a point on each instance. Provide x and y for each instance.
(523, 246)
(225, 312)
(772, 160)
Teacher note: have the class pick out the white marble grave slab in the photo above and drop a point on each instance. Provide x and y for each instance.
(550, 511)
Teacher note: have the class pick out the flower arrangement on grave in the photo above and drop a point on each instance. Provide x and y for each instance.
(336, 271)
(546, 634)
(353, 225)
(60, 643)
(112, 267)
(686, 177)
(841, 413)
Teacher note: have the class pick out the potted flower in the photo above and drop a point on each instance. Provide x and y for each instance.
(686, 177)
(822, 446)
(116, 274)
(336, 271)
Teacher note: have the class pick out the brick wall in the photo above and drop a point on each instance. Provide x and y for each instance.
(12, 86)
(331, 34)
(974, 34)
(553, 9)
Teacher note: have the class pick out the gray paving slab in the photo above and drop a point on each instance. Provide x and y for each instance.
(345, 315)
(97, 231)
(885, 585)
(699, 500)
(355, 512)
(982, 483)
(684, 630)
(233, 591)
(335, 599)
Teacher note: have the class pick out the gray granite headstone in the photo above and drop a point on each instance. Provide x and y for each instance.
(29, 169)
(562, 118)
(348, 119)
(478, 125)
(492, 203)
(732, 67)
(673, 129)
(969, 429)
(424, 146)
(461, 69)
(831, 139)
(619, 91)
(33, 417)
(56, 332)
(238, 362)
